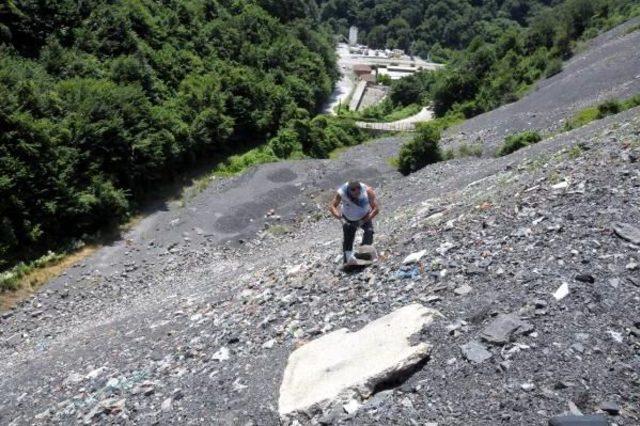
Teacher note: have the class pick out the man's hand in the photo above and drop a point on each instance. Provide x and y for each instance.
(334, 207)
(373, 202)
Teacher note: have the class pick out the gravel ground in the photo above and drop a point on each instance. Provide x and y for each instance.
(180, 323)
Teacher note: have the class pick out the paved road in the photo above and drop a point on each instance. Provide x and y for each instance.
(345, 85)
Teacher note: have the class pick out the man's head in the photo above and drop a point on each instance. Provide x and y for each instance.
(354, 188)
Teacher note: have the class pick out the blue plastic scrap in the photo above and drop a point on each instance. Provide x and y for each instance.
(408, 272)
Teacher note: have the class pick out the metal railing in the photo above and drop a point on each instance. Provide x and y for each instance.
(387, 127)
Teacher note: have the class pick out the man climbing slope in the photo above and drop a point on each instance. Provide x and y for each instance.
(355, 204)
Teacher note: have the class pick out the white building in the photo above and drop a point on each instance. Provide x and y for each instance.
(353, 36)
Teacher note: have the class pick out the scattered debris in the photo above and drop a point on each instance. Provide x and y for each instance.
(504, 327)
(561, 292)
(475, 352)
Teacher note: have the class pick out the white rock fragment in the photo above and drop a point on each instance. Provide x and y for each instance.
(561, 292)
(561, 185)
(527, 387)
(221, 355)
(73, 378)
(351, 406)
(294, 270)
(616, 336)
(167, 404)
(269, 344)
(341, 363)
(414, 257)
(95, 373)
(463, 290)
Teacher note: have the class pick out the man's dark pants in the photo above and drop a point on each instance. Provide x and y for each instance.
(349, 230)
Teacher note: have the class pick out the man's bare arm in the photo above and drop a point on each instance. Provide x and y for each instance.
(373, 202)
(334, 207)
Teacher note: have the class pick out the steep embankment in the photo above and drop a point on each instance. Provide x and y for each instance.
(608, 68)
(171, 325)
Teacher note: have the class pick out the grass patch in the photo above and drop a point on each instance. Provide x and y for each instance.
(337, 153)
(575, 151)
(464, 150)
(393, 161)
(518, 141)
(24, 279)
(382, 112)
(278, 230)
(13, 278)
(581, 118)
(632, 29)
(402, 113)
(602, 110)
(239, 163)
(470, 150)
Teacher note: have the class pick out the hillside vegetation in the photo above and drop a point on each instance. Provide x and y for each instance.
(101, 100)
(494, 50)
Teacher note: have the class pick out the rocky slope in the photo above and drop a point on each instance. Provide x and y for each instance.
(178, 323)
(608, 67)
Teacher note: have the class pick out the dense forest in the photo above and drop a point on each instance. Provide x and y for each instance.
(494, 50)
(100, 100)
(422, 27)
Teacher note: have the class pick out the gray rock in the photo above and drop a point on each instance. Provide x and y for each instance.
(610, 407)
(378, 399)
(503, 327)
(585, 278)
(463, 290)
(578, 421)
(475, 352)
(167, 405)
(627, 232)
(332, 416)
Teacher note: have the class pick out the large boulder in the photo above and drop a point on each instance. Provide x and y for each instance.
(344, 364)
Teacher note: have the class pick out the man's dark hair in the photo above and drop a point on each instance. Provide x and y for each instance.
(353, 185)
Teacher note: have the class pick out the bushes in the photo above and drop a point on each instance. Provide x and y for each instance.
(609, 108)
(517, 141)
(422, 150)
(553, 67)
(315, 138)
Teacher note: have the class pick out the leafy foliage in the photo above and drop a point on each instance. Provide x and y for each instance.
(101, 100)
(422, 150)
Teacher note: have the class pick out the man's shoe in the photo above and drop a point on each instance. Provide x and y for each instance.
(349, 258)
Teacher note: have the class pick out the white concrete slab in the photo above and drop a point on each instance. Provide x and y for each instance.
(344, 363)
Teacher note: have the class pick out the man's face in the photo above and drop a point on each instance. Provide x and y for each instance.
(354, 192)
